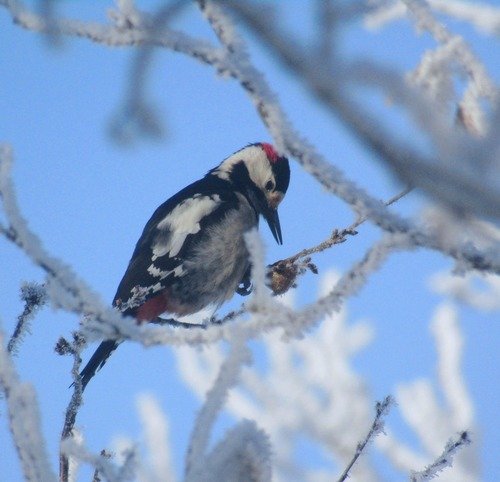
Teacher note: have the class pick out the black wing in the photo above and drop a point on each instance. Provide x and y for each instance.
(168, 237)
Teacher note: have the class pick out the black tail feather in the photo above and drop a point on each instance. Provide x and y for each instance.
(97, 361)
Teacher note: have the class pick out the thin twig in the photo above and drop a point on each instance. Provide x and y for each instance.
(97, 472)
(444, 460)
(76, 399)
(283, 273)
(34, 297)
(177, 324)
(137, 115)
(382, 408)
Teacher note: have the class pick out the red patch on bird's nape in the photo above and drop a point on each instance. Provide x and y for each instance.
(271, 153)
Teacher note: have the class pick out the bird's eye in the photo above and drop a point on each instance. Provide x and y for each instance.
(269, 185)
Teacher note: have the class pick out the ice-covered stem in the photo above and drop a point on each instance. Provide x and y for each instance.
(138, 116)
(463, 54)
(331, 178)
(24, 421)
(63, 347)
(347, 285)
(156, 435)
(271, 314)
(97, 474)
(453, 47)
(273, 116)
(481, 15)
(112, 472)
(449, 343)
(216, 396)
(244, 454)
(381, 410)
(63, 287)
(283, 273)
(404, 160)
(444, 460)
(34, 297)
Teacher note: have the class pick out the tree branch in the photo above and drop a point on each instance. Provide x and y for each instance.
(382, 409)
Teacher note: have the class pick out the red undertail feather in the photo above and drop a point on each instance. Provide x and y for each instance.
(153, 308)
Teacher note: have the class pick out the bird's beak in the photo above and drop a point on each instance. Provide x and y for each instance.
(272, 218)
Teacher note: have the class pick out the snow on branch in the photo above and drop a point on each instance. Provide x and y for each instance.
(484, 17)
(308, 389)
(34, 297)
(480, 84)
(74, 448)
(243, 455)
(432, 421)
(234, 61)
(160, 467)
(227, 377)
(63, 287)
(482, 196)
(480, 292)
(444, 460)
(381, 410)
(24, 421)
(449, 343)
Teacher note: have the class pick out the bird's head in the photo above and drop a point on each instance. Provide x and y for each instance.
(263, 176)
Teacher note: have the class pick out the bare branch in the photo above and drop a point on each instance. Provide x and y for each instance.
(444, 460)
(382, 409)
(227, 377)
(34, 298)
(24, 421)
(75, 403)
(283, 273)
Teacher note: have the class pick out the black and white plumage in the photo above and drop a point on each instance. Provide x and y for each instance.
(192, 252)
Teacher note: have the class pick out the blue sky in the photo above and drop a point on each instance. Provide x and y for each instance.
(88, 199)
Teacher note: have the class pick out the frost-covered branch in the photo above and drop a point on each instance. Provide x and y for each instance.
(444, 460)
(137, 116)
(316, 370)
(63, 287)
(34, 298)
(485, 297)
(160, 467)
(228, 376)
(235, 62)
(63, 347)
(267, 313)
(382, 409)
(73, 448)
(483, 16)
(24, 421)
(482, 197)
(430, 419)
(283, 273)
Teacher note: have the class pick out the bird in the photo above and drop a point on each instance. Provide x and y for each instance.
(192, 252)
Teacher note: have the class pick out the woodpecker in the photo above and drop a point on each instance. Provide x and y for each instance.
(192, 252)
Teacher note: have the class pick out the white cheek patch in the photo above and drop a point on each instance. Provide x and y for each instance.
(255, 160)
(260, 172)
(183, 220)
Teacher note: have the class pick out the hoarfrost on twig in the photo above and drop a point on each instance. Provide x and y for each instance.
(24, 420)
(444, 460)
(160, 466)
(34, 297)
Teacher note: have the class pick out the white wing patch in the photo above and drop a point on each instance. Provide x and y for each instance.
(158, 273)
(183, 220)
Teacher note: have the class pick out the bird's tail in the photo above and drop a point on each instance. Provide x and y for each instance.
(97, 361)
